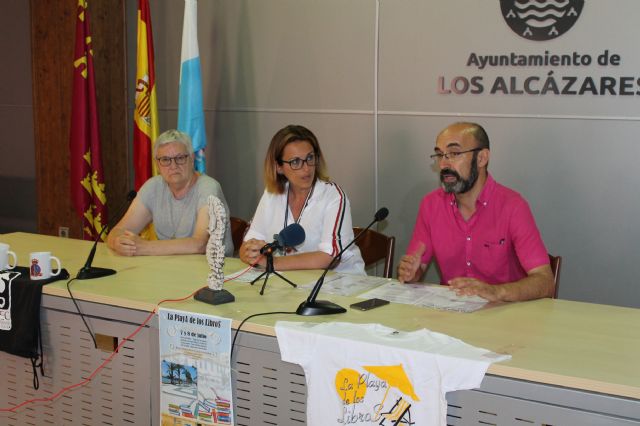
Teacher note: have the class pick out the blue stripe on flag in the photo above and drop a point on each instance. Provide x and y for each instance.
(190, 111)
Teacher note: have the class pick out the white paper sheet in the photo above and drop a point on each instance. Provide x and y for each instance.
(347, 284)
(426, 295)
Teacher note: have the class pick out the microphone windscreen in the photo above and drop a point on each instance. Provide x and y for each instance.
(381, 214)
(291, 236)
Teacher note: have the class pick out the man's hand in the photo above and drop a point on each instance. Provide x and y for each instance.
(250, 251)
(409, 265)
(126, 243)
(465, 286)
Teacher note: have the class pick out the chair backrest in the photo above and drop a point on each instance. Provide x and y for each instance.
(239, 227)
(555, 262)
(375, 247)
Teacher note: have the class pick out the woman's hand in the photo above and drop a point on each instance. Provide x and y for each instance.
(250, 251)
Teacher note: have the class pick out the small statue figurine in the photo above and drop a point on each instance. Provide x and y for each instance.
(215, 246)
(215, 294)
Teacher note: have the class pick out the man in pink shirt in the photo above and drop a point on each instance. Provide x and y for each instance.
(482, 234)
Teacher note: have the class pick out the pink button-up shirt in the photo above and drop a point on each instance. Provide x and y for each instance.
(498, 244)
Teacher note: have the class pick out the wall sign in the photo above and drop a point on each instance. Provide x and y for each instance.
(541, 20)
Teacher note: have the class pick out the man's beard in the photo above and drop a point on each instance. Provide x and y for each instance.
(460, 186)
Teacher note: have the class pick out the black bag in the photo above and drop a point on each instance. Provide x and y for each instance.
(20, 299)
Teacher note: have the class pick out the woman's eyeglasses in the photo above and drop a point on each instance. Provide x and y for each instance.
(297, 163)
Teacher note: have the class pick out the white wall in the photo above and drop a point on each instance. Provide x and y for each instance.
(362, 74)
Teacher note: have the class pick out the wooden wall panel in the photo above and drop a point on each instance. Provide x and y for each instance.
(53, 35)
(109, 42)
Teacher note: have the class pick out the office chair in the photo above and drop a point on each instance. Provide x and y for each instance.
(375, 247)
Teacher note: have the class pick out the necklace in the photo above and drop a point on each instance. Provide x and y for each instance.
(306, 202)
(286, 210)
(179, 203)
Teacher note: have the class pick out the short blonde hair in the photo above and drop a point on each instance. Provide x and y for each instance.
(171, 136)
(274, 182)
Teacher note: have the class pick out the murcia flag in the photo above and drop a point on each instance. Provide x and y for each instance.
(190, 112)
(87, 180)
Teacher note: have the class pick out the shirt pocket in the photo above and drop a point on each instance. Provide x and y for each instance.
(493, 257)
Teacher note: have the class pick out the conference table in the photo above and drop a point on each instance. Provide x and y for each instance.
(571, 363)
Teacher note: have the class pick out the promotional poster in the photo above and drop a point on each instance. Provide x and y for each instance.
(195, 368)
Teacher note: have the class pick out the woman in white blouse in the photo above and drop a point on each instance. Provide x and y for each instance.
(299, 191)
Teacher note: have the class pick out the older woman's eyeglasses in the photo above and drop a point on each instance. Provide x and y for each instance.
(178, 159)
(451, 156)
(297, 163)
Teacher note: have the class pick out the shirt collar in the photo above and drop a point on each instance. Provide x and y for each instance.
(483, 198)
(310, 197)
(487, 191)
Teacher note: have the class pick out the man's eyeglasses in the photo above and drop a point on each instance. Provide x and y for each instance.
(178, 159)
(451, 156)
(297, 163)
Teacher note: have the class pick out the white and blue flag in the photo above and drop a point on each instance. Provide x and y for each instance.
(190, 111)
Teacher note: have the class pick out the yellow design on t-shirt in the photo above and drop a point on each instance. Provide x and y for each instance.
(349, 386)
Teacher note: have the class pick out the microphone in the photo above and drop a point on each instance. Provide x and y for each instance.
(88, 272)
(311, 306)
(290, 236)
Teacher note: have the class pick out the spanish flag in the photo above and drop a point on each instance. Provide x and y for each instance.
(145, 116)
(87, 179)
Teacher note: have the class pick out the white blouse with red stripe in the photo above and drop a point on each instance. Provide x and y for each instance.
(326, 219)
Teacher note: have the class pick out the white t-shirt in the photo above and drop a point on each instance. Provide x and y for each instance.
(326, 219)
(363, 374)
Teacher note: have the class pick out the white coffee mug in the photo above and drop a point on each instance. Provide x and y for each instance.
(40, 265)
(4, 257)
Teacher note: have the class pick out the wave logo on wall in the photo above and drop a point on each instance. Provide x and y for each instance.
(541, 20)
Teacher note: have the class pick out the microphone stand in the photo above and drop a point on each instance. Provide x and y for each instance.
(88, 272)
(270, 270)
(311, 306)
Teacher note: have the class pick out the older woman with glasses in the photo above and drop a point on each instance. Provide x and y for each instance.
(175, 202)
(299, 191)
